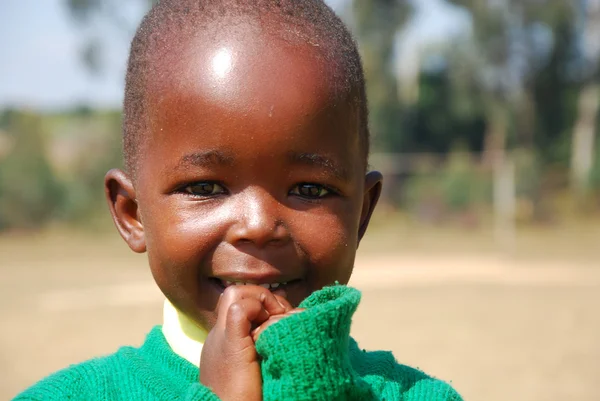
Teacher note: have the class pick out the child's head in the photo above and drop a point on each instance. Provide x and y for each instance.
(246, 142)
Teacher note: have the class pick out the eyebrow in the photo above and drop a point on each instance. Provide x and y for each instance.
(322, 161)
(215, 158)
(206, 159)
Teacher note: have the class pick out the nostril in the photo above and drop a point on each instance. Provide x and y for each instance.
(258, 218)
(259, 232)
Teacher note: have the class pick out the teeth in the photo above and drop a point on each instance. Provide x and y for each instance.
(270, 286)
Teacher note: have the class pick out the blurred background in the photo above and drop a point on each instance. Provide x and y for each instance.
(482, 265)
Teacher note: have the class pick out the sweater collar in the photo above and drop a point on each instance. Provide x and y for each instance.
(184, 336)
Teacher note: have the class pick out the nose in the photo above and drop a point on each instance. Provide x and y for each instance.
(258, 221)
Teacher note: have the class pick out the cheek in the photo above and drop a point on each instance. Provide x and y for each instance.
(184, 233)
(330, 240)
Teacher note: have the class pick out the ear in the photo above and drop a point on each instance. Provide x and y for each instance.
(121, 198)
(373, 182)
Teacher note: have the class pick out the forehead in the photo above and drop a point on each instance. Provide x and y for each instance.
(246, 64)
(249, 79)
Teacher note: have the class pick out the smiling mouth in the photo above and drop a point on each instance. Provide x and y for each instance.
(272, 286)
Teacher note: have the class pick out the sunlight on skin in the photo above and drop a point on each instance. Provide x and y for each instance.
(222, 63)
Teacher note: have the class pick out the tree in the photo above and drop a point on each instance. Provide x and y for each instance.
(376, 24)
(584, 131)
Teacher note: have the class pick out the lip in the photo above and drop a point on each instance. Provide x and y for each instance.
(255, 278)
(219, 282)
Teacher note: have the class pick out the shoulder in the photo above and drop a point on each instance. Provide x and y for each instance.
(393, 380)
(84, 381)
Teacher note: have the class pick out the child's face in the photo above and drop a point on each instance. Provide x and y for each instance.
(252, 172)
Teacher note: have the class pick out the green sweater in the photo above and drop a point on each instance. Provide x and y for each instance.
(307, 356)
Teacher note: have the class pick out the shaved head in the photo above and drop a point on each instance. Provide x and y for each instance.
(175, 30)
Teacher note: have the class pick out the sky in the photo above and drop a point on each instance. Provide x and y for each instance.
(41, 68)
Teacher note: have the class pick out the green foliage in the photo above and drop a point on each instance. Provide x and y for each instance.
(529, 174)
(433, 123)
(463, 185)
(457, 186)
(30, 194)
(36, 189)
(376, 24)
(84, 199)
(555, 96)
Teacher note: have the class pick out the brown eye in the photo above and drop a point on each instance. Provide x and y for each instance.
(312, 191)
(204, 189)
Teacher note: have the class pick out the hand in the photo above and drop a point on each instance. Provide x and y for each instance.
(229, 364)
(273, 319)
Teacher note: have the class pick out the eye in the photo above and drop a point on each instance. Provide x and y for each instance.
(204, 189)
(312, 191)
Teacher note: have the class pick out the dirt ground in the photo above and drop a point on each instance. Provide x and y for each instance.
(499, 328)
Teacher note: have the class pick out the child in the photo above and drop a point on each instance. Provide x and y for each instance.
(246, 183)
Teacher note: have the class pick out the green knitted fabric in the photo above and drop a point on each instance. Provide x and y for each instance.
(311, 356)
(307, 356)
(151, 372)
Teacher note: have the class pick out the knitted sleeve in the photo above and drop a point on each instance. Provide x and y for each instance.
(305, 356)
(431, 390)
(310, 356)
(392, 381)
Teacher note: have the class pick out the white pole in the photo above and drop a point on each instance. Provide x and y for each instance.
(505, 203)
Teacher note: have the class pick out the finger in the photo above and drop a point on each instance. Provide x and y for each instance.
(243, 316)
(271, 320)
(257, 331)
(284, 302)
(274, 305)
